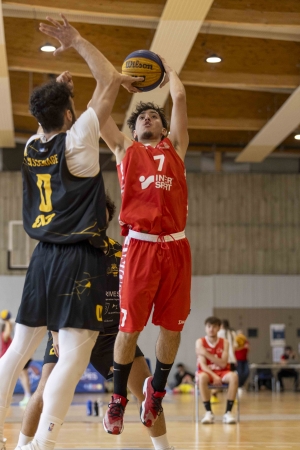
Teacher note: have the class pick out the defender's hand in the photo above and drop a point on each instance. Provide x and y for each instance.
(127, 82)
(66, 77)
(63, 32)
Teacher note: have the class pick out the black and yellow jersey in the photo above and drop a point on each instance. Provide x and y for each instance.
(59, 207)
(111, 314)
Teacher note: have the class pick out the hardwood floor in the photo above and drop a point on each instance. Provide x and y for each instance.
(268, 422)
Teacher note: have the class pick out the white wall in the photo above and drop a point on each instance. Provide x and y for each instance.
(208, 292)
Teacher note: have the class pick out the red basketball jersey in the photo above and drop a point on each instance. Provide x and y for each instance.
(216, 350)
(153, 188)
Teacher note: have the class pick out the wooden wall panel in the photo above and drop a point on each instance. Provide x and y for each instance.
(237, 224)
(244, 224)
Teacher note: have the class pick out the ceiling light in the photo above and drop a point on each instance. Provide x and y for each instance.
(297, 136)
(213, 59)
(48, 48)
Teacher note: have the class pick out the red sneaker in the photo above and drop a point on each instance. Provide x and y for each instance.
(151, 407)
(113, 419)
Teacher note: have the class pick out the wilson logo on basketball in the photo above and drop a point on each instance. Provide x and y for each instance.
(161, 182)
(138, 65)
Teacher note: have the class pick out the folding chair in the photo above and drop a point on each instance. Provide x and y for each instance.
(211, 386)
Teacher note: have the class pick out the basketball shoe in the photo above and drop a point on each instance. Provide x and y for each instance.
(151, 407)
(113, 419)
(2, 444)
(208, 418)
(25, 400)
(30, 446)
(228, 418)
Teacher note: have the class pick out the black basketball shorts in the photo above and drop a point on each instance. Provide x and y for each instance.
(101, 357)
(64, 287)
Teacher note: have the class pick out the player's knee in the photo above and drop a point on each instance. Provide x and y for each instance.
(233, 377)
(128, 338)
(203, 379)
(170, 336)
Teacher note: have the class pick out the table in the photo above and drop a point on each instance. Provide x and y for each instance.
(275, 366)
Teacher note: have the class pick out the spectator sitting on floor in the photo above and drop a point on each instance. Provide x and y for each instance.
(184, 380)
(288, 357)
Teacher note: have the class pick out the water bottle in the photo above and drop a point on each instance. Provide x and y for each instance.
(89, 406)
(96, 409)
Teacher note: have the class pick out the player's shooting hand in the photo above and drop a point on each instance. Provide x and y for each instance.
(63, 32)
(168, 69)
(128, 81)
(66, 77)
(55, 342)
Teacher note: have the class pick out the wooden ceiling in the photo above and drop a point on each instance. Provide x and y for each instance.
(228, 103)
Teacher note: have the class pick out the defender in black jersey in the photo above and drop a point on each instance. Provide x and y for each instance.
(102, 353)
(63, 208)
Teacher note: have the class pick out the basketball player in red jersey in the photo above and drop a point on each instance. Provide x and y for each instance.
(213, 368)
(155, 269)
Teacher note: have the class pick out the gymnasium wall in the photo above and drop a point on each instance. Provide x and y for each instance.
(237, 224)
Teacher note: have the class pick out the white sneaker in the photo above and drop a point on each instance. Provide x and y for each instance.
(25, 400)
(208, 418)
(30, 446)
(228, 418)
(2, 444)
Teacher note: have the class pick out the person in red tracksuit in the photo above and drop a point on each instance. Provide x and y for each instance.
(214, 369)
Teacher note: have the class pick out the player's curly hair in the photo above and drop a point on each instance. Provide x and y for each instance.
(48, 104)
(140, 107)
(111, 207)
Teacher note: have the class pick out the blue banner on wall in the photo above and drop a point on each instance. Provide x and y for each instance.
(91, 380)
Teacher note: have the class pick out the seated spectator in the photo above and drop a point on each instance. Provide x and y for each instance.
(5, 336)
(288, 357)
(241, 354)
(214, 369)
(184, 380)
(226, 332)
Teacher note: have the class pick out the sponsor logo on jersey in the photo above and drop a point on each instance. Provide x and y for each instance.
(51, 426)
(113, 270)
(161, 182)
(181, 322)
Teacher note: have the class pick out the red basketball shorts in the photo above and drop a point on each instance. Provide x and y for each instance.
(220, 373)
(154, 274)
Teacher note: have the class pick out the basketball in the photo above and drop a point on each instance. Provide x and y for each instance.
(5, 314)
(240, 340)
(144, 63)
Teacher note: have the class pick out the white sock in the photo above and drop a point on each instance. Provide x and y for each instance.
(23, 440)
(47, 432)
(3, 412)
(161, 442)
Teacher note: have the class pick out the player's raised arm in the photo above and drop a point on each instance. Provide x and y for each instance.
(107, 78)
(116, 141)
(179, 121)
